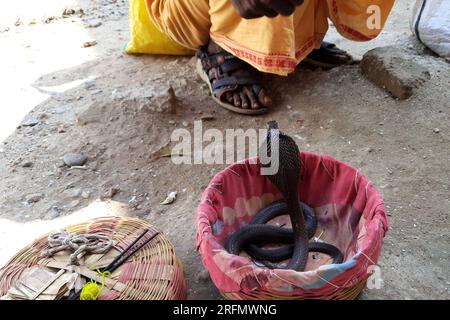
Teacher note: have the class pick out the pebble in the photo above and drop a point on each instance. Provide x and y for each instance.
(69, 11)
(89, 83)
(85, 194)
(88, 44)
(27, 164)
(110, 193)
(165, 100)
(74, 159)
(54, 212)
(134, 203)
(208, 117)
(73, 192)
(94, 24)
(172, 122)
(61, 130)
(30, 122)
(35, 197)
(436, 130)
(170, 198)
(74, 203)
(203, 276)
(185, 123)
(95, 92)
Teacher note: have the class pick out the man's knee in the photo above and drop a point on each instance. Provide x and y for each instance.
(186, 22)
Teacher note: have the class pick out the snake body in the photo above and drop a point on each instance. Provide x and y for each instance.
(303, 219)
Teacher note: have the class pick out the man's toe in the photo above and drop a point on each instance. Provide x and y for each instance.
(244, 101)
(237, 100)
(254, 104)
(264, 98)
(229, 97)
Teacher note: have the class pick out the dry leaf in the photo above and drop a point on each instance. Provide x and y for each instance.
(170, 198)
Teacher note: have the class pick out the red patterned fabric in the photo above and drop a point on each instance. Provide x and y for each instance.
(350, 212)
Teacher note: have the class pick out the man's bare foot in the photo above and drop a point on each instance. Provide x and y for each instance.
(233, 81)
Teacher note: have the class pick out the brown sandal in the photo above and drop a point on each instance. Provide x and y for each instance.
(216, 68)
(323, 57)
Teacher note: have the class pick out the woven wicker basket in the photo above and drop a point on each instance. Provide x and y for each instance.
(351, 216)
(153, 273)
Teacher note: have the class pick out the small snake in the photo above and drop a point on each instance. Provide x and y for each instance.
(303, 219)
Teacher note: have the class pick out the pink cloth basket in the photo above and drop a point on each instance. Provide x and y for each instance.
(350, 212)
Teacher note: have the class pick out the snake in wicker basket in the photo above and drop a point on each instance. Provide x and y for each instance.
(303, 219)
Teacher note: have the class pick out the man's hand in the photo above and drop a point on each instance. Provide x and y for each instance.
(250, 9)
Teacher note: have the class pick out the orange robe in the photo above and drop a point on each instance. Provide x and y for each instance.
(273, 45)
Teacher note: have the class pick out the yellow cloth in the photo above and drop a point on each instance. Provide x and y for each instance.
(271, 45)
(145, 37)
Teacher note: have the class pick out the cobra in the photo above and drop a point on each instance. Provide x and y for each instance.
(304, 222)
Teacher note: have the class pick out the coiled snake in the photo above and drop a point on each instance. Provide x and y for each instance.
(303, 219)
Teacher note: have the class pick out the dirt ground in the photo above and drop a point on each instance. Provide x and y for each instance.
(101, 102)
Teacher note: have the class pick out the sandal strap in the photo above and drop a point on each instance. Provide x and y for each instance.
(233, 65)
(231, 81)
(223, 60)
(227, 67)
(224, 63)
